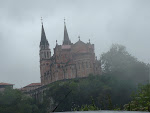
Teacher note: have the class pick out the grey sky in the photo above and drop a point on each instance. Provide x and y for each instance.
(105, 22)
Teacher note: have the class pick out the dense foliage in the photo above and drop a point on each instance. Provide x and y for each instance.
(140, 100)
(104, 89)
(91, 107)
(118, 60)
(13, 101)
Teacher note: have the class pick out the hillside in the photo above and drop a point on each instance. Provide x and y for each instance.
(104, 89)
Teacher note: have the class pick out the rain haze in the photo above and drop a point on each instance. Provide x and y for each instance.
(104, 22)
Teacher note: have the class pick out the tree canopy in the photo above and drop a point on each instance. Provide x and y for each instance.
(13, 101)
(118, 60)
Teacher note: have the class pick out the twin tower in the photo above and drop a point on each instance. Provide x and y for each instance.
(68, 61)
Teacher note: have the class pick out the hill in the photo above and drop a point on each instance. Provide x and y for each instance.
(107, 92)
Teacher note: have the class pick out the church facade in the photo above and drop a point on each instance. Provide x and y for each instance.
(68, 61)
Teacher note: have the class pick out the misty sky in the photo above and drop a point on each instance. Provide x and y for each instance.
(104, 22)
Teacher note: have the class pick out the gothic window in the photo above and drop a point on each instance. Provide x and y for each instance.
(47, 55)
(44, 54)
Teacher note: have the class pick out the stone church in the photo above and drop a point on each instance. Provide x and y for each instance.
(70, 60)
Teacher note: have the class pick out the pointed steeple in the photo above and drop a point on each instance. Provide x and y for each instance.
(66, 40)
(43, 37)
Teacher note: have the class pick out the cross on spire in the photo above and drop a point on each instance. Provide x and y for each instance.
(79, 37)
(41, 20)
(64, 20)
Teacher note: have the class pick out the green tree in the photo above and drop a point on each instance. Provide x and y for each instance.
(116, 58)
(13, 101)
(140, 100)
(123, 65)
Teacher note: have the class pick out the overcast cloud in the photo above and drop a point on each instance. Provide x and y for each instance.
(126, 22)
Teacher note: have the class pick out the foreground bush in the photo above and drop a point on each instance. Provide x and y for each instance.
(141, 100)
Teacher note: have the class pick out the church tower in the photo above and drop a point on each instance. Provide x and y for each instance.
(45, 55)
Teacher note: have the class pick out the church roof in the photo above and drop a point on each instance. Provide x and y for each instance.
(79, 42)
(66, 40)
(43, 37)
(33, 84)
(5, 84)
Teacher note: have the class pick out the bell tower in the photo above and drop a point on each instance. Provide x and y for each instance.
(45, 55)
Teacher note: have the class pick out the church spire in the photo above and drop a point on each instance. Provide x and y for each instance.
(66, 37)
(43, 36)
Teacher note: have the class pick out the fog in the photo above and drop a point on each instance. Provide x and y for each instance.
(104, 22)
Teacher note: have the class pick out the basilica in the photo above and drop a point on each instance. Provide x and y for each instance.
(70, 60)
